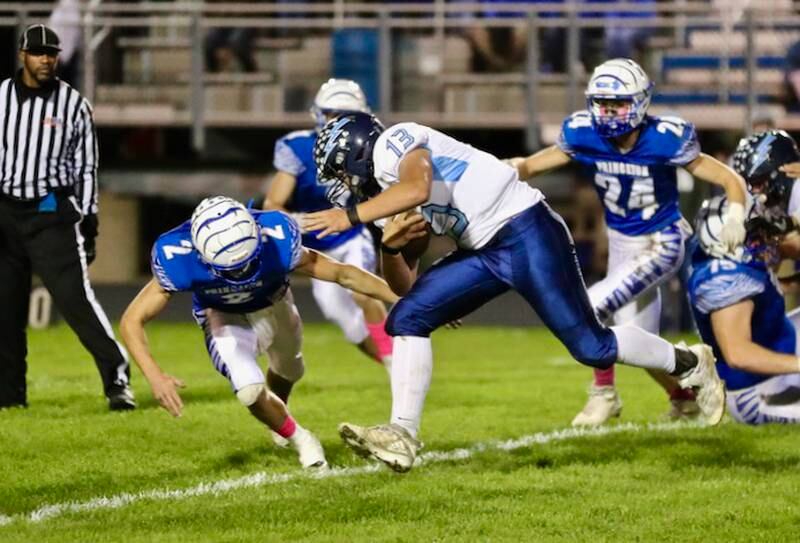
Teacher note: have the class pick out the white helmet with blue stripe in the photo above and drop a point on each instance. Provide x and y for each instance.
(338, 96)
(618, 80)
(227, 237)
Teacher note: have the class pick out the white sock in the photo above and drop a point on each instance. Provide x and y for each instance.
(412, 365)
(635, 347)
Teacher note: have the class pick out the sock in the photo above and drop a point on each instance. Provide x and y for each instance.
(682, 394)
(604, 378)
(382, 340)
(387, 363)
(635, 347)
(288, 427)
(684, 361)
(412, 365)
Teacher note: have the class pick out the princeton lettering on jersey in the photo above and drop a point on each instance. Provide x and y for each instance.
(623, 168)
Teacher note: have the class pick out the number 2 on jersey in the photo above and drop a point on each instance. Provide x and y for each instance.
(642, 195)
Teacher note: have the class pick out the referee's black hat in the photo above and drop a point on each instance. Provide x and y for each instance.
(39, 38)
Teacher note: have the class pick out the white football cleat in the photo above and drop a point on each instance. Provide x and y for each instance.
(278, 440)
(603, 404)
(389, 443)
(309, 449)
(703, 379)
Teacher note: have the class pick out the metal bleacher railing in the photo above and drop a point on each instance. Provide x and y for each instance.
(713, 62)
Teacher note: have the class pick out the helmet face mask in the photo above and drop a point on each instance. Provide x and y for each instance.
(618, 96)
(343, 154)
(227, 238)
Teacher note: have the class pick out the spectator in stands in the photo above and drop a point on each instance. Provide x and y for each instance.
(792, 78)
(624, 40)
(223, 45)
(65, 20)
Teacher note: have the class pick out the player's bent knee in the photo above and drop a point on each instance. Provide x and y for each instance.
(595, 352)
(248, 395)
(404, 320)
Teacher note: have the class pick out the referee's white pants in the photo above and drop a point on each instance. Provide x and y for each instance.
(775, 400)
(234, 341)
(336, 302)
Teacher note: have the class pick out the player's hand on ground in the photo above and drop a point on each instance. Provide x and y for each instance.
(401, 229)
(329, 221)
(792, 169)
(165, 391)
(733, 229)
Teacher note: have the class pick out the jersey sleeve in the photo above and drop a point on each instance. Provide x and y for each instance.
(161, 272)
(281, 229)
(688, 147)
(286, 160)
(569, 138)
(394, 145)
(720, 290)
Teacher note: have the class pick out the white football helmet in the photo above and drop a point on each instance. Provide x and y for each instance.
(708, 228)
(227, 237)
(338, 96)
(623, 80)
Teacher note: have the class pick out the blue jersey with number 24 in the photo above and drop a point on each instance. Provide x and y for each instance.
(177, 266)
(638, 188)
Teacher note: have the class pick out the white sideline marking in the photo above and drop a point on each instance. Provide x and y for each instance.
(262, 478)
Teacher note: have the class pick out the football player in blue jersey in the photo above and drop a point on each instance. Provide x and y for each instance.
(739, 310)
(236, 263)
(294, 189)
(632, 158)
(508, 238)
(736, 298)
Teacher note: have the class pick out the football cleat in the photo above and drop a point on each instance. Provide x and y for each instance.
(278, 440)
(309, 449)
(603, 404)
(389, 443)
(681, 409)
(703, 379)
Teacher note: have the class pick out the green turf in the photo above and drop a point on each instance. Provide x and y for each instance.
(728, 483)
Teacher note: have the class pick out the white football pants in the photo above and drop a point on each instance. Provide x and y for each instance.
(336, 302)
(234, 341)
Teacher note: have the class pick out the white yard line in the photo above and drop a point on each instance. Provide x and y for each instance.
(215, 488)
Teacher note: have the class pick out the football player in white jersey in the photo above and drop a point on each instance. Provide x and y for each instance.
(294, 189)
(508, 238)
(633, 159)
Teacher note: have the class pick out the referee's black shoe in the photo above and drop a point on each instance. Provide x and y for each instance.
(120, 398)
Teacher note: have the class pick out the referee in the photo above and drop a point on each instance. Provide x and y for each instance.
(48, 217)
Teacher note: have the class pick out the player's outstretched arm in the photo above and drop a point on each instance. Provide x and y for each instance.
(549, 158)
(150, 301)
(731, 326)
(711, 170)
(792, 169)
(412, 189)
(324, 268)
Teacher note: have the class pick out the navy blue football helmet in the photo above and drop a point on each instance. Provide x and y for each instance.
(757, 160)
(343, 154)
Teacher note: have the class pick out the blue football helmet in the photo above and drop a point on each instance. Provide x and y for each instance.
(618, 96)
(228, 239)
(758, 159)
(343, 154)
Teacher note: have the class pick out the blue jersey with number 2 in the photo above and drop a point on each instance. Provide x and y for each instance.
(177, 266)
(638, 188)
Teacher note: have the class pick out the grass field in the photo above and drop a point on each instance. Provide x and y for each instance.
(642, 481)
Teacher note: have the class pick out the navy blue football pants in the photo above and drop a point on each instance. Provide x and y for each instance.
(534, 255)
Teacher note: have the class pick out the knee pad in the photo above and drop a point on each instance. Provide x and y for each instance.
(248, 395)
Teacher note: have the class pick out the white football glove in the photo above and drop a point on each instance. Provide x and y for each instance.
(733, 231)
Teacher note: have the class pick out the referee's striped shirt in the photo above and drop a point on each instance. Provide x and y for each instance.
(48, 142)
